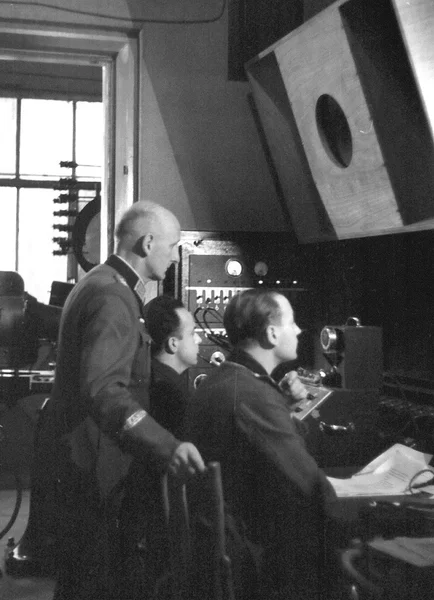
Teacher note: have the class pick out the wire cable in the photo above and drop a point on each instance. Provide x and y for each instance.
(418, 486)
(89, 13)
(217, 338)
(16, 506)
(213, 310)
(412, 419)
(197, 321)
(10, 520)
(205, 312)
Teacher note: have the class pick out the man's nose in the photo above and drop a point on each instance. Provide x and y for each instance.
(197, 338)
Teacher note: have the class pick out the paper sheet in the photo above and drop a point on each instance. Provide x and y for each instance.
(388, 474)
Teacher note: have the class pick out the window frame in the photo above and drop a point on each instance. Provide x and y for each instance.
(117, 54)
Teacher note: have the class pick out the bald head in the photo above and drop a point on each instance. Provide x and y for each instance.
(147, 237)
(142, 218)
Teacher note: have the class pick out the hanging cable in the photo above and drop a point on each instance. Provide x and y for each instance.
(89, 13)
(220, 339)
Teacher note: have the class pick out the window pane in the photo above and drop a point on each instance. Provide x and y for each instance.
(89, 140)
(46, 138)
(8, 210)
(8, 132)
(36, 263)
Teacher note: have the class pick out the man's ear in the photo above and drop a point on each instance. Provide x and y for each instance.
(146, 244)
(171, 345)
(270, 336)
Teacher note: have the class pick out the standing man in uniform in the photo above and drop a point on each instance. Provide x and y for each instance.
(101, 430)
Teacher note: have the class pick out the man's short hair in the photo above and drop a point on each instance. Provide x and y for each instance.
(249, 313)
(162, 320)
(139, 219)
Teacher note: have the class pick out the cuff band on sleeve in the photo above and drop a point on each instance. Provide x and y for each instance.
(135, 418)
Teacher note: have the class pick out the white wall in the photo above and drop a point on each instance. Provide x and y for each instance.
(201, 154)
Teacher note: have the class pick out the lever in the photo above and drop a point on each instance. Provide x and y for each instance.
(330, 429)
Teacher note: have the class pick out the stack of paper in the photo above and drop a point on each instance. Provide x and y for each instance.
(388, 474)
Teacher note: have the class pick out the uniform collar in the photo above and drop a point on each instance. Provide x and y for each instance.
(165, 372)
(130, 275)
(244, 359)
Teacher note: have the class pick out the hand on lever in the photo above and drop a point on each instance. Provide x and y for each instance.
(186, 462)
(294, 386)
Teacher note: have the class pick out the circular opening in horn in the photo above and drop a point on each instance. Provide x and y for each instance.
(334, 130)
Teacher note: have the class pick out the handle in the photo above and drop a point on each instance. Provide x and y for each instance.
(331, 429)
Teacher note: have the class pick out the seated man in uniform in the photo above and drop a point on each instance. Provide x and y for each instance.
(274, 491)
(175, 347)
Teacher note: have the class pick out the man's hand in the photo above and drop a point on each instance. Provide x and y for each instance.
(291, 385)
(186, 461)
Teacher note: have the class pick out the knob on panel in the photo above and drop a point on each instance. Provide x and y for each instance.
(199, 379)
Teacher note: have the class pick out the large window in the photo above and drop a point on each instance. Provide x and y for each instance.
(35, 137)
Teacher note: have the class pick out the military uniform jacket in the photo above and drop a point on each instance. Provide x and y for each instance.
(168, 396)
(99, 403)
(272, 486)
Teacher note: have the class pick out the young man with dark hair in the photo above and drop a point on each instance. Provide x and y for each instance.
(175, 347)
(273, 488)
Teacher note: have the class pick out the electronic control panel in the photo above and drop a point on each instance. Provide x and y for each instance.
(212, 271)
(213, 300)
(32, 380)
(317, 394)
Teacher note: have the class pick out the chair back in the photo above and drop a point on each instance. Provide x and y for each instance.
(199, 565)
(363, 581)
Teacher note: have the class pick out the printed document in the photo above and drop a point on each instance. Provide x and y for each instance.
(389, 474)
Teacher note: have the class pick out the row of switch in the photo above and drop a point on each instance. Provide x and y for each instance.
(207, 296)
(211, 298)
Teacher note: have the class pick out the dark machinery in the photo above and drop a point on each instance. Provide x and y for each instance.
(28, 336)
(24, 323)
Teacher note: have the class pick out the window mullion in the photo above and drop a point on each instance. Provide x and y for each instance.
(17, 177)
(72, 265)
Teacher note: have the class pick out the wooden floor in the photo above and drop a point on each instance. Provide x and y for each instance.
(19, 588)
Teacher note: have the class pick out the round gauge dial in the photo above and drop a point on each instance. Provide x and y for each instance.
(233, 267)
(261, 268)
